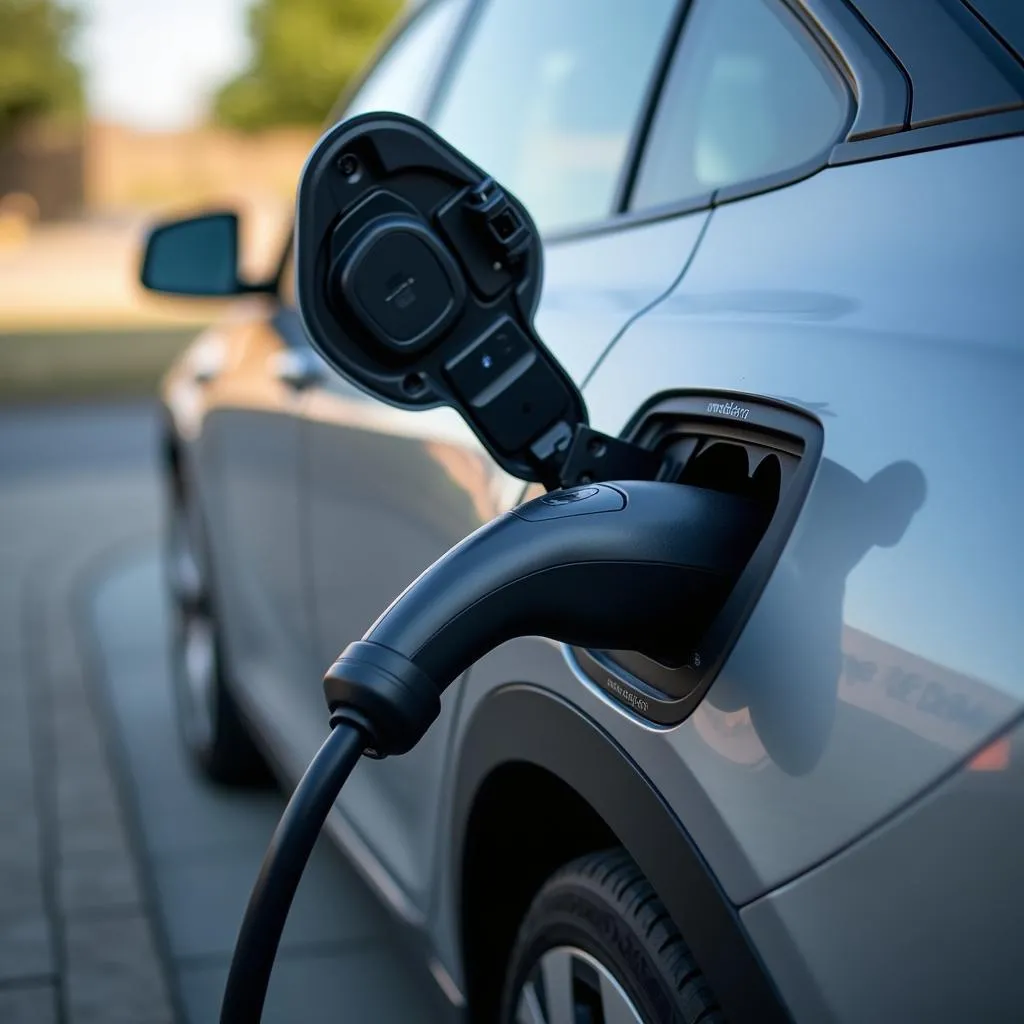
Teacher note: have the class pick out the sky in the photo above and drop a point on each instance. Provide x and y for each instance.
(153, 63)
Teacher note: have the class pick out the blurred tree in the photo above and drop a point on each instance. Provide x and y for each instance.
(37, 74)
(305, 52)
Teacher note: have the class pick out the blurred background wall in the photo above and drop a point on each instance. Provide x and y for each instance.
(114, 113)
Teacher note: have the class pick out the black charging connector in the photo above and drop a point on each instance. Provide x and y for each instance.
(556, 566)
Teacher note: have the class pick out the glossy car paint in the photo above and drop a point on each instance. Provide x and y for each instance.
(922, 900)
(883, 297)
(883, 652)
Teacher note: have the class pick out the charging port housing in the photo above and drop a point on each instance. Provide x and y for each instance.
(761, 450)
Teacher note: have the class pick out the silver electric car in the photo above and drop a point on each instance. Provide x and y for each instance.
(784, 248)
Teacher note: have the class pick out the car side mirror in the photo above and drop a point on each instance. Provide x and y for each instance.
(196, 256)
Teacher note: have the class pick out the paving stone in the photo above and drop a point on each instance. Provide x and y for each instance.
(84, 791)
(12, 635)
(15, 743)
(26, 947)
(56, 528)
(17, 795)
(35, 1004)
(97, 881)
(113, 975)
(64, 535)
(21, 875)
(95, 829)
(373, 983)
(203, 899)
(14, 712)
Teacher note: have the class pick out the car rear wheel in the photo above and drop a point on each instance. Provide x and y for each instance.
(212, 728)
(598, 947)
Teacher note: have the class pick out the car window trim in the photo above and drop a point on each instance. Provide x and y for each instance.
(648, 106)
(442, 80)
(824, 52)
(878, 81)
(982, 127)
(824, 46)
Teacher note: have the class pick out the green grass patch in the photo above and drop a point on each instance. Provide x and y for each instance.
(87, 364)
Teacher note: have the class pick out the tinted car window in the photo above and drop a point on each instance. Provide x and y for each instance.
(546, 94)
(400, 81)
(747, 95)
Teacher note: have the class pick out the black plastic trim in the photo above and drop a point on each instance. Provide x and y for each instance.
(986, 127)
(770, 182)
(808, 32)
(667, 695)
(632, 218)
(985, 77)
(880, 85)
(442, 80)
(525, 724)
(649, 107)
(972, 6)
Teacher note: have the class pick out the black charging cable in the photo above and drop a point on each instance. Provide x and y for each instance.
(552, 567)
(283, 865)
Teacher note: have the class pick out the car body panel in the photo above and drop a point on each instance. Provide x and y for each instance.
(930, 909)
(242, 430)
(885, 298)
(518, 746)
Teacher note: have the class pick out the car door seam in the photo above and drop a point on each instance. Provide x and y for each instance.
(657, 300)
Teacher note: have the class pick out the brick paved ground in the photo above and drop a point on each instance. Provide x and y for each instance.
(77, 942)
(122, 877)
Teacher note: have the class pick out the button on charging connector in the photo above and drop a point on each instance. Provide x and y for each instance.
(577, 501)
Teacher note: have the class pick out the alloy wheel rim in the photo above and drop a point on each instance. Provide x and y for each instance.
(569, 986)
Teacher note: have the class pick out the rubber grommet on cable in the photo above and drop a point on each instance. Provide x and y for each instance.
(385, 690)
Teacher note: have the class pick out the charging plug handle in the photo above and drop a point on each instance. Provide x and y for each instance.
(636, 565)
(640, 565)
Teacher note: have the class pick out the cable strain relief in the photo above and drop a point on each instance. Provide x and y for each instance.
(384, 694)
(345, 715)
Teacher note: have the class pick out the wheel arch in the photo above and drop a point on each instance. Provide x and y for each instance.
(526, 751)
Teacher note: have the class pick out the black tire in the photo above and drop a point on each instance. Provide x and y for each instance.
(214, 733)
(601, 913)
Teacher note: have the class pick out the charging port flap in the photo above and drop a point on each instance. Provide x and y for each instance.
(418, 278)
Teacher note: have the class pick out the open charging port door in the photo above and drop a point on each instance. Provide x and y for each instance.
(418, 278)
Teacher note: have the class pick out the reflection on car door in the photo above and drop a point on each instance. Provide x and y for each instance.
(253, 430)
(549, 110)
(883, 297)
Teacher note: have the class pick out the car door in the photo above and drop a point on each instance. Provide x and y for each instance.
(257, 428)
(251, 437)
(549, 99)
(882, 297)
